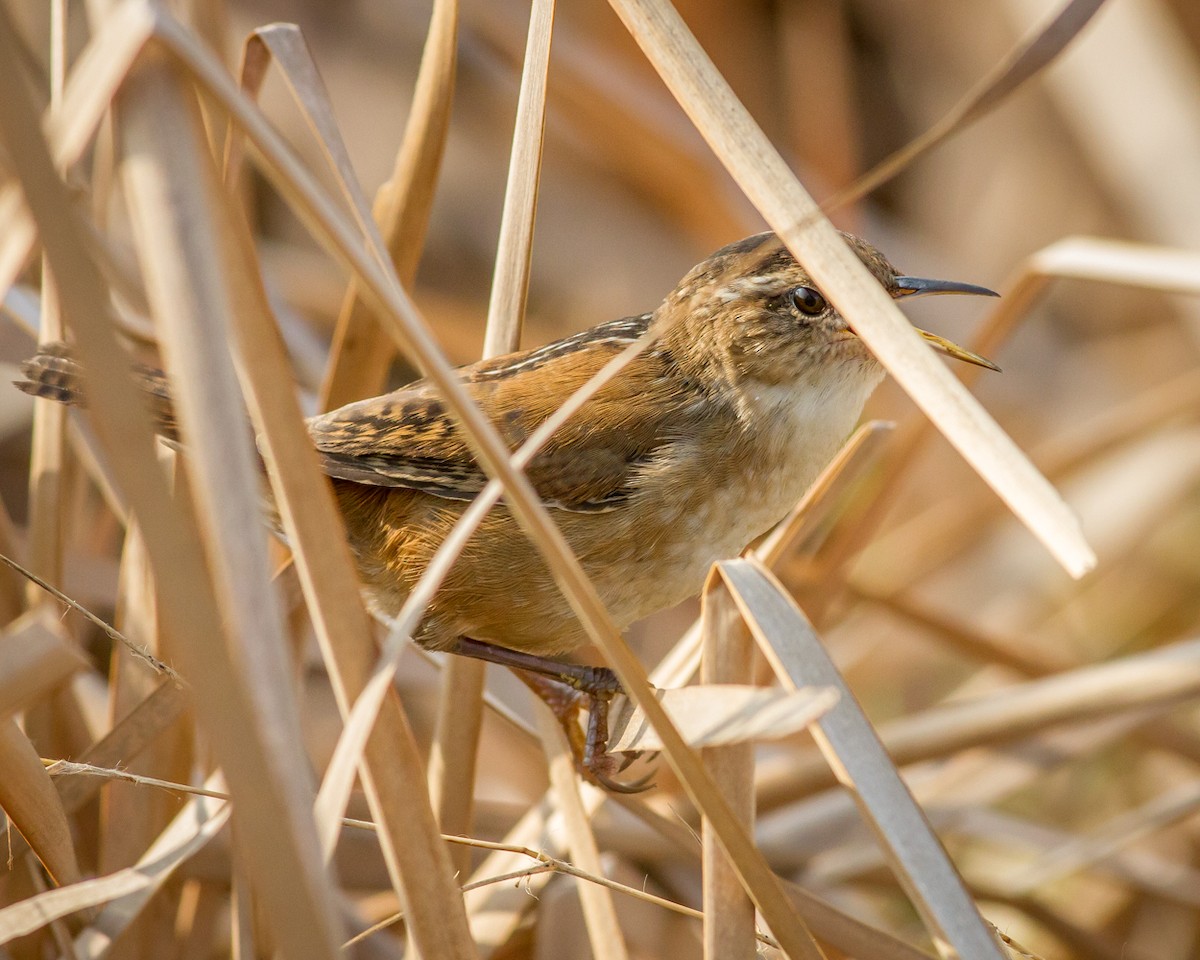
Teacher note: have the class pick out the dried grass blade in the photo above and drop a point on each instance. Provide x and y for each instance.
(418, 863)
(781, 199)
(362, 351)
(510, 280)
(12, 594)
(285, 44)
(243, 910)
(35, 657)
(975, 779)
(382, 287)
(58, 49)
(28, 797)
(27, 916)
(728, 658)
(93, 82)
(756, 876)
(723, 714)
(201, 819)
(131, 819)
(17, 234)
(1131, 91)
(454, 750)
(178, 218)
(631, 128)
(599, 912)
(47, 463)
(21, 304)
(1173, 881)
(1023, 63)
(854, 751)
(460, 699)
(48, 457)
(122, 744)
(1080, 852)
(138, 651)
(495, 912)
(1159, 678)
(1095, 259)
(1100, 260)
(96, 76)
(849, 934)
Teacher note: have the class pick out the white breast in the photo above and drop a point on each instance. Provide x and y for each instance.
(787, 436)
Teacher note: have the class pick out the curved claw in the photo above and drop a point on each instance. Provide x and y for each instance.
(596, 759)
(615, 786)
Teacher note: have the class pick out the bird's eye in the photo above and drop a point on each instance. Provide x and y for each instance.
(808, 301)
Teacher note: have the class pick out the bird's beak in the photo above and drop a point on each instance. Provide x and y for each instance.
(952, 349)
(920, 287)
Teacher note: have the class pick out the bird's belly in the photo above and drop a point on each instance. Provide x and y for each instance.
(669, 559)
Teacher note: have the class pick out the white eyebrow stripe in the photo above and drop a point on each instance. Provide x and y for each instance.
(747, 286)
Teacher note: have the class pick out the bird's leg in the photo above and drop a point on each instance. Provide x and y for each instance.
(564, 687)
(590, 753)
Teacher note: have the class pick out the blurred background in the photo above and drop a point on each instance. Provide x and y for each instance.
(926, 590)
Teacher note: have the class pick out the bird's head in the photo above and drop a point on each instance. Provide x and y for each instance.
(750, 312)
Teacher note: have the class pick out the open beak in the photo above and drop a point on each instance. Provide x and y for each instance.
(920, 287)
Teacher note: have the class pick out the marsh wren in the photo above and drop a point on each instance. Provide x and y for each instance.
(708, 438)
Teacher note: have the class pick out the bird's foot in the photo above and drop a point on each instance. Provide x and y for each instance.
(566, 696)
(566, 688)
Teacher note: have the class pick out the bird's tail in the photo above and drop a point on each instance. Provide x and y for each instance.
(55, 374)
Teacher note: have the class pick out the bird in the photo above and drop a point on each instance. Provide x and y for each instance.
(749, 383)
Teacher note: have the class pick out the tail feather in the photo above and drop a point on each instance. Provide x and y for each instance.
(55, 374)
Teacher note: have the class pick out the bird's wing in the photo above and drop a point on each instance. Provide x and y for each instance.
(408, 438)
